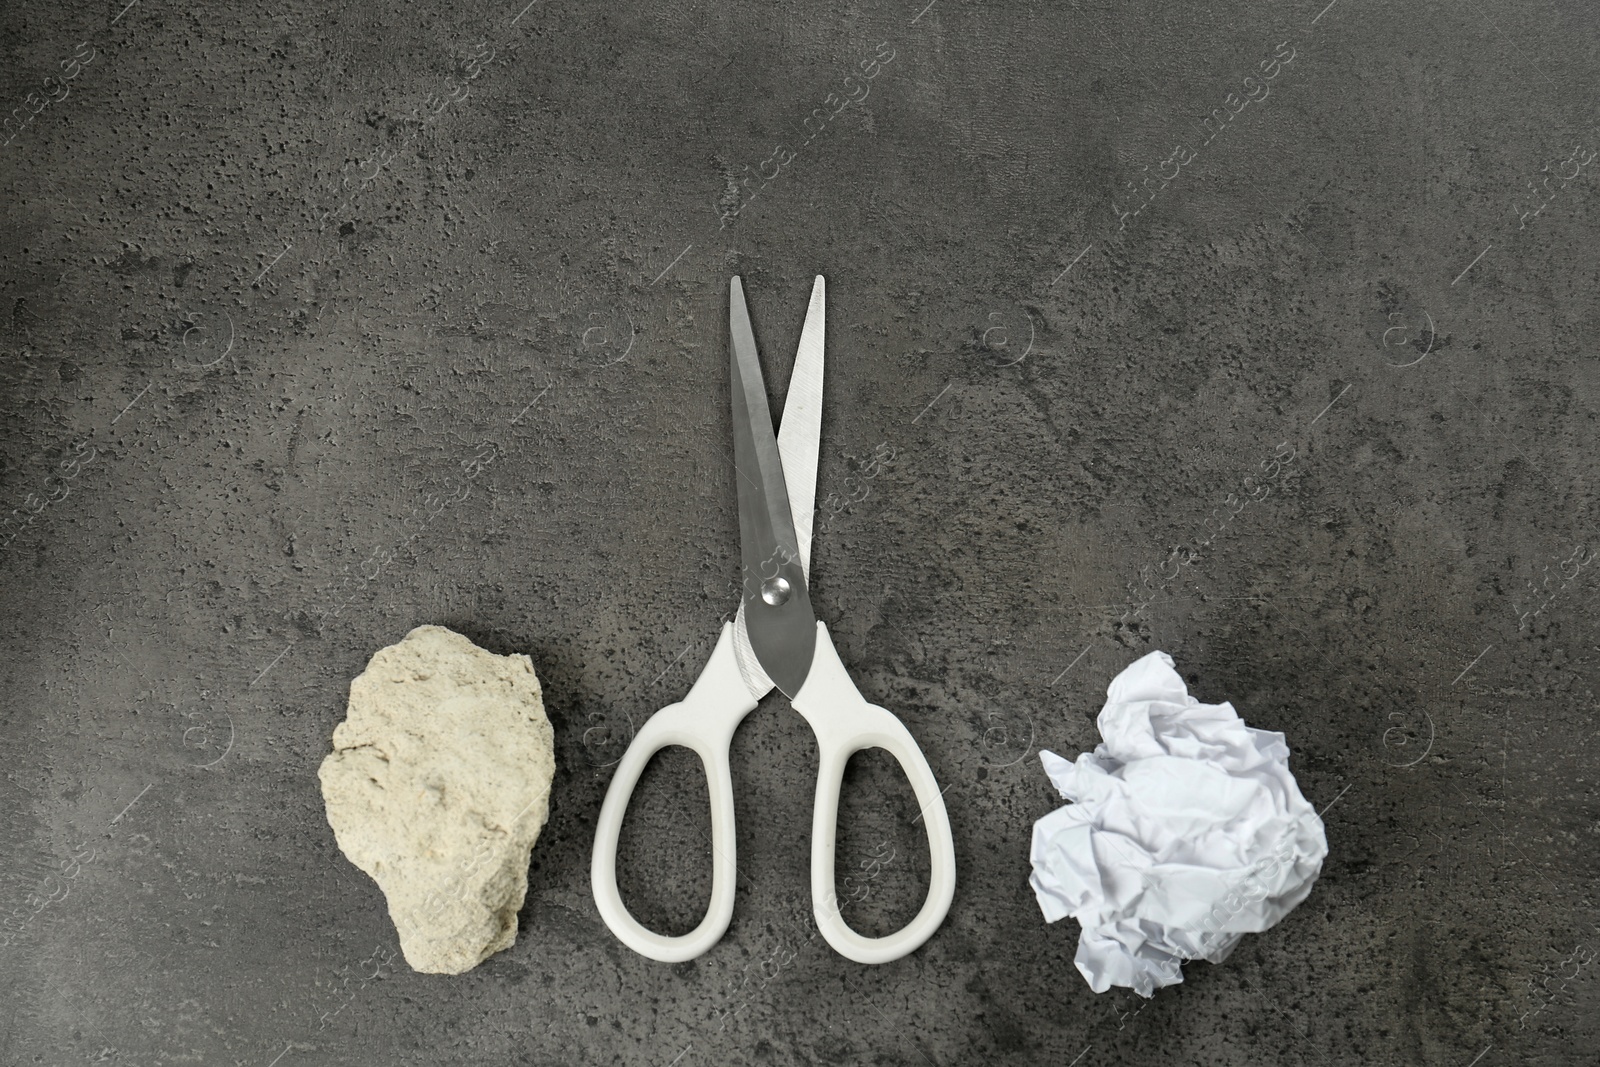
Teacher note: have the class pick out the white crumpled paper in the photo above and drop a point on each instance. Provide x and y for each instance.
(1188, 832)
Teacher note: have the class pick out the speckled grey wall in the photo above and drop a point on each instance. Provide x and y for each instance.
(1261, 333)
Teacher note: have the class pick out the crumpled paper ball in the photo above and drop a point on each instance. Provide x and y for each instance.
(1187, 832)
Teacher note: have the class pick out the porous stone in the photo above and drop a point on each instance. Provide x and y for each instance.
(438, 786)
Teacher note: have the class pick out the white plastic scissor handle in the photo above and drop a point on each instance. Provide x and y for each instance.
(845, 724)
(704, 721)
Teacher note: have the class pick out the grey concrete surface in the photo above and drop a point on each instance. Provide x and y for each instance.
(326, 321)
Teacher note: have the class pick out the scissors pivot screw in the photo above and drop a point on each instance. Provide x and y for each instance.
(775, 591)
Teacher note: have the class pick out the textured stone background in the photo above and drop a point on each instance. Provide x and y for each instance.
(325, 321)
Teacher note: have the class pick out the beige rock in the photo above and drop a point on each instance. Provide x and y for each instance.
(438, 786)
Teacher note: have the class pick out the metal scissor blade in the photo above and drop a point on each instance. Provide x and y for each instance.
(800, 435)
(777, 606)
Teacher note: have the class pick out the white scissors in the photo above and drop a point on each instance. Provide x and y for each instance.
(775, 641)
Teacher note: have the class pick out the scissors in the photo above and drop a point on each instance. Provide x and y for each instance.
(775, 641)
